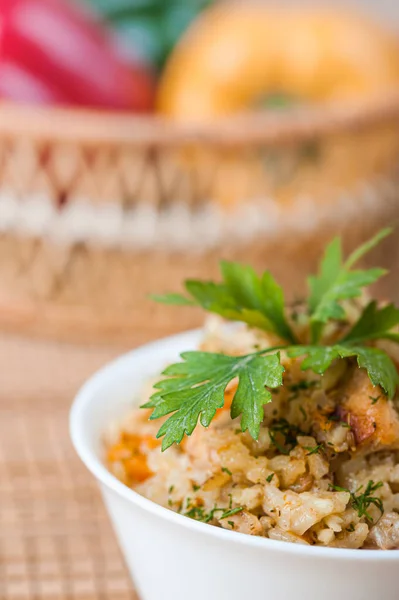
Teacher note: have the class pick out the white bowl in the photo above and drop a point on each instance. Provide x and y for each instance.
(172, 557)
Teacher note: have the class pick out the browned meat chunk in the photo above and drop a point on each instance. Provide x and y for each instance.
(372, 417)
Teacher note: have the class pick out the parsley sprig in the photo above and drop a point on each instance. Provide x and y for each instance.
(378, 364)
(337, 281)
(196, 386)
(242, 296)
(193, 390)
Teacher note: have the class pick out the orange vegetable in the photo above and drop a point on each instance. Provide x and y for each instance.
(131, 452)
(137, 468)
(151, 442)
(137, 442)
(118, 452)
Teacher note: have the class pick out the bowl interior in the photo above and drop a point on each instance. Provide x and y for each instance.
(117, 388)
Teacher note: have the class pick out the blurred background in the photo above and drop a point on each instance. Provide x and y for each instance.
(141, 141)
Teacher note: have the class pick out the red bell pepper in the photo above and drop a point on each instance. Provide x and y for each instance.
(54, 52)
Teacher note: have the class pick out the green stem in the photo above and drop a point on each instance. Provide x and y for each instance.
(267, 350)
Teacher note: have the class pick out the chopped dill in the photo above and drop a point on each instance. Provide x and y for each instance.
(362, 502)
(315, 450)
(230, 513)
(199, 514)
(304, 384)
(374, 399)
(226, 470)
(283, 435)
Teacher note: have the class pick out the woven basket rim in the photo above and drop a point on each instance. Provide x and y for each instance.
(91, 127)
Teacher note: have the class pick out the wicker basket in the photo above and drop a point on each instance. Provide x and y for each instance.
(97, 211)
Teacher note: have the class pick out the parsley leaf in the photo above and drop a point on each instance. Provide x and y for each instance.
(259, 293)
(329, 270)
(379, 366)
(195, 390)
(374, 323)
(242, 296)
(337, 281)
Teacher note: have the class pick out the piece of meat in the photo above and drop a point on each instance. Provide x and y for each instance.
(385, 534)
(371, 415)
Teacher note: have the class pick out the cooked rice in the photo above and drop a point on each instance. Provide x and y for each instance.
(321, 438)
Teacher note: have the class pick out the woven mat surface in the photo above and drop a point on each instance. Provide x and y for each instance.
(56, 542)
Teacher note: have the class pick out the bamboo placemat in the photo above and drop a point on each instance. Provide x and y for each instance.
(56, 542)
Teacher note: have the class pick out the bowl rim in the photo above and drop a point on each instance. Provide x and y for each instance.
(86, 398)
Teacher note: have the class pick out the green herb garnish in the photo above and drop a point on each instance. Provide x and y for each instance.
(196, 388)
(374, 323)
(226, 470)
(304, 384)
(337, 281)
(270, 477)
(199, 514)
(193, 390)
(242, 296)
(374, 399)
(378, 364)
(230, 513)
(283, 435)
(362, 502)
(313, 450)
(301, 385)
